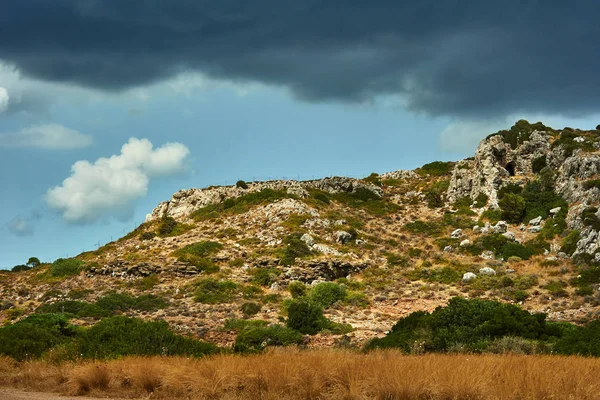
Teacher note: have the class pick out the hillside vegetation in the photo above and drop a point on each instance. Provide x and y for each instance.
(497, 253)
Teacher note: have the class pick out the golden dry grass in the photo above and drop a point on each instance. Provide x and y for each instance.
(292, 374)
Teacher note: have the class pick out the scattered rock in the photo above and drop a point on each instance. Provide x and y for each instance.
(456, 234)
(509, 235)
(534, 229)
(487, 255)
(555, 211)
(500, 227)
(487, 271)
(343, 237)
(308, 239)
(448, 249)
(476, 229)
(468, 276)
(536, 221)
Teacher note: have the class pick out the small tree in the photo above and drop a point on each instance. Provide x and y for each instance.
(33, 262)
(305, 317)
(241, 184)
(513, 207)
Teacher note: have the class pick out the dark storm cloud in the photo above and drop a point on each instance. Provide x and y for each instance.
(451, 57)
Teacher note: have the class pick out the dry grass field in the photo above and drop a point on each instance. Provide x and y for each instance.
(293, 374)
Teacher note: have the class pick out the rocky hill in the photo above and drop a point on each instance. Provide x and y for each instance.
(518, 222)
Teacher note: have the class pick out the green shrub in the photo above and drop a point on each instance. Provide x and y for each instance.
(166, 225)
(357, 299)
(441, 275)
(20, 268)
(197, 255)
(592, 183)
(66, 267)
(395, 259)
(492, 216)
(297, 289)
(510, 188)
(73, 308)
(249, 309)
(415, 252)
(463, 202)
(538, 164)
(265, 276)
(429, 228)
(148, 282)
(516, 250)
(210, 291)
(321, 196)
(305, 317)
(240, 204)
(569, 242)
(241, 184)
(363, 198)
(481, 200)
(251, 292)
(556, 288)
(256, 338)
(34, 336)
(434, 193)
(374, 179)
(470, 324)
(200, 249)
(327, 293)
(436, 168)
(147, 235)
(120, 336)
(589, 218)
(569, 145)
(584, 341)
(513, 207)
(294, 248)
(520, 132)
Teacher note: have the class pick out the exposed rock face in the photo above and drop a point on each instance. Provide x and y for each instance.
(322, 270)
(184, 202)
(495, 162)
(124, 269)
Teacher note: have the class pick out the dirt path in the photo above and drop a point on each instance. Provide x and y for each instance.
(16, 394)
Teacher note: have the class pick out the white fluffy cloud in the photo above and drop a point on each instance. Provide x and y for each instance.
(108, 186)
(47, 136)
(3, 99)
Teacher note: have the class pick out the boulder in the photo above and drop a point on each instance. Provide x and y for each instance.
(534, 229)
(456, 234)
(500, 227)
(536, 221)
(487, 271)
(448, 249)
(555, 211)
(509, 235)
(487, 254)
(465, 243)
(308, 239)
(468, 277)
(343, 237)
(476, 229)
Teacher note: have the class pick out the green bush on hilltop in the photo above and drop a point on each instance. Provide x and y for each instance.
(66, 267)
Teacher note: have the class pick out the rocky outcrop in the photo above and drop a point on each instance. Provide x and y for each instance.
(322, 270)
(184, 202)
(124, 269)
(494, 163)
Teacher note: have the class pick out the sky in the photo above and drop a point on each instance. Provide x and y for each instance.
(109, 107)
